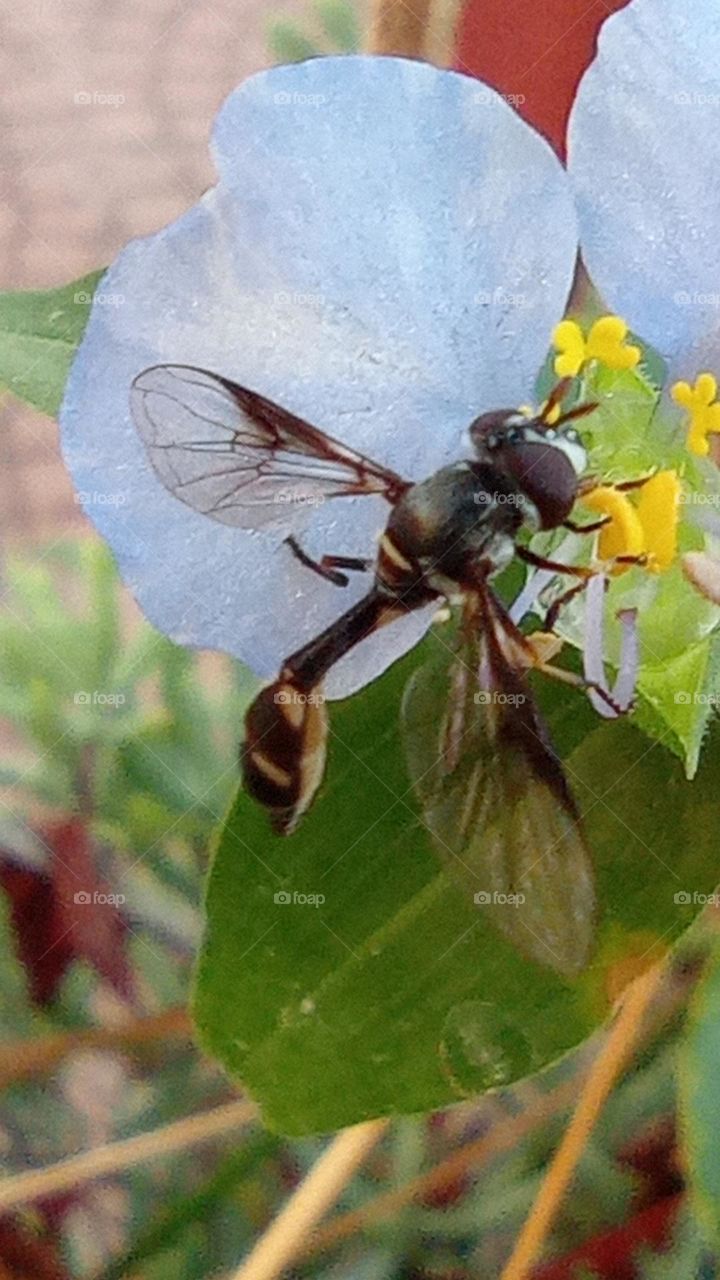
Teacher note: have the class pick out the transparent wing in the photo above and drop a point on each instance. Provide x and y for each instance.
(495, 797)
(238, 457)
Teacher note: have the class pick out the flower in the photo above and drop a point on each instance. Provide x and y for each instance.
(385, 253)
(643, 143)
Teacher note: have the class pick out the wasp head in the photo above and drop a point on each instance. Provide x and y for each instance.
(544, 461)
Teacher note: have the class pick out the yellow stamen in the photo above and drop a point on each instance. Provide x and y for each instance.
(648, 529)
(703, 410)
(605, 343)
(568, 340)
(623, 534)
(658, 512)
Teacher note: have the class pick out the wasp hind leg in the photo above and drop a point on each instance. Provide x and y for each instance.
(329, 567)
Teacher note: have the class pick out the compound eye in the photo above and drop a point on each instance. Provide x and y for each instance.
(572, 435)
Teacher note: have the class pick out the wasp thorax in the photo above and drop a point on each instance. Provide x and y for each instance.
(544, 462)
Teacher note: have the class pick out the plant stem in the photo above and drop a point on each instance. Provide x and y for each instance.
(23, 1058)
(286, 1238)
(504, 1136)
(615, 1054)
(116, 1157)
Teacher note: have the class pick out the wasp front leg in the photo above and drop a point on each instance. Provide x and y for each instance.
(328, 566)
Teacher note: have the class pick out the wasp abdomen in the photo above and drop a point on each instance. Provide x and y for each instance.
(283, 756)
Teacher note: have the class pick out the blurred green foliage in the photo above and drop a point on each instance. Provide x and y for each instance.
(335, 29)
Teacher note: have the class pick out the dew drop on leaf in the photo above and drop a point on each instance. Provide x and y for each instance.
(480, 1048)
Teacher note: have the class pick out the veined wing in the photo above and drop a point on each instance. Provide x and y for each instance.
(238, 457)
(495, 797)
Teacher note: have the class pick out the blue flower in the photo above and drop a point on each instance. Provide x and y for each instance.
(386, 252)
(643, 156)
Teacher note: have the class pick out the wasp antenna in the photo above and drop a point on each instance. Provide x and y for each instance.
(579, 411)
(555, 397)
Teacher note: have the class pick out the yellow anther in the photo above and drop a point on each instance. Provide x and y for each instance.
(648, 529)
(569, 342)
(623, 534)
(703, 410)
(605, 343)
(658, 512)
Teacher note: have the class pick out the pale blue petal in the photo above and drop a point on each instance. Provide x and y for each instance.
(386, 253)
(644, 157)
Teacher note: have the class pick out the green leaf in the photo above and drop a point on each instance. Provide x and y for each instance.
(678, 698)
(339, 23)
(699, 1098)
(289, 44)
(39, 334)
(394, 994)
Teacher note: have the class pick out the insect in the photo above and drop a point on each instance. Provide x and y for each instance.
(495, 798)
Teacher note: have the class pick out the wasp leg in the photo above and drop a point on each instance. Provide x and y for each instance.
(586, 528)
(553, 612)
(328, 566)
(540, 562)
(532, 660)
(579, 682)
(626, 486)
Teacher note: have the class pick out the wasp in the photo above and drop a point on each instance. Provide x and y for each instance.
(494, 795)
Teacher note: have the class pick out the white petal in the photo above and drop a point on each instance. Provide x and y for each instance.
(644, 154)
(385, 254)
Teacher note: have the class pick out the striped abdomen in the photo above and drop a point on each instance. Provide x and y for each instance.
(283, 756)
